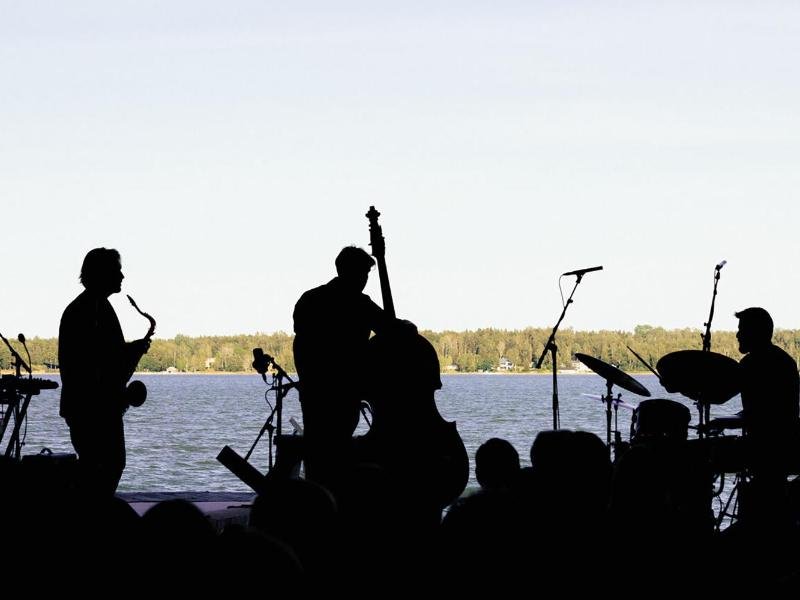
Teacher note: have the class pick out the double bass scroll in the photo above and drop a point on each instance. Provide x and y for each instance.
(378, 245)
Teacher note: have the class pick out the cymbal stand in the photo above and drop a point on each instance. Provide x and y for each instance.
(703, 417)
(609, 400)
(551, 347)
(618, 445)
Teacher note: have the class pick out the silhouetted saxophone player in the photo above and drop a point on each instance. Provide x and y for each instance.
(96, 363)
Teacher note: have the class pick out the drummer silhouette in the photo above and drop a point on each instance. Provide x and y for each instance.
(770, 412)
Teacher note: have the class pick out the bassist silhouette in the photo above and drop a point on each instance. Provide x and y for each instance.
(408, 437)
(332, 325)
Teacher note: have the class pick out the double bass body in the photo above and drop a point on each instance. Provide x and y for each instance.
(409, 437)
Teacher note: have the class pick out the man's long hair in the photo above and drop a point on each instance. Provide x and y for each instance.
(96, 265)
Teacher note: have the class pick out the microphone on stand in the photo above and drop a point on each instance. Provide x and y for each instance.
(720, 265)
(21, 339)
(261, 362)
(15, 354)
(580, 272)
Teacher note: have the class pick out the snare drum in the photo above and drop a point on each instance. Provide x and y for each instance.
(660, 419)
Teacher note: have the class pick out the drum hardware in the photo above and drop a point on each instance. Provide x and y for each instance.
(740, 480)
(619, 445)
(723, 454)
(716, 426)
(727, 455)
(551, 346)
(617, 401)
(613, 376)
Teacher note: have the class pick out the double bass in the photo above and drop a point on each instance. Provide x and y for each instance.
(408, 435)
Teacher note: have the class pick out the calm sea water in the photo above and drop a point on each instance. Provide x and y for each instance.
(174, 438)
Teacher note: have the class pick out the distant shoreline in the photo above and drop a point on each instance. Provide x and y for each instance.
(294, 375)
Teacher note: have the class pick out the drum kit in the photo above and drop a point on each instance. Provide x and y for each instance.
(707, 378)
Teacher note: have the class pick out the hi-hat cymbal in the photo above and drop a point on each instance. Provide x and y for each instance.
(613, 374)
(707, 377)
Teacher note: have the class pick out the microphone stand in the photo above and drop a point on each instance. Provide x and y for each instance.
(704, 408)
(707, 335)
(18, 360)
(551, 347)
(281, 390)
(229, 458)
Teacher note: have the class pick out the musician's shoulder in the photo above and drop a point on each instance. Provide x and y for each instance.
(311, 296)
(781, 355)
(80, 304)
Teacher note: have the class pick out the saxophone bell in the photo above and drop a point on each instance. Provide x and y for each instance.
(135, 393)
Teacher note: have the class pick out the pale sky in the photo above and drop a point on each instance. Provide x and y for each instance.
(229, 149)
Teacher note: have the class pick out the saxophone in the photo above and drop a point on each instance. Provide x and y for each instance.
(136, 391)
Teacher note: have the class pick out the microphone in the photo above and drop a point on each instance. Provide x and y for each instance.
(580, 272)
(21, 339)
(261, 362)
(720, 265)
(15, 354)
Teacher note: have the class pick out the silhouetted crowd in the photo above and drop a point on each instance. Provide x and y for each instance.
(573, 520)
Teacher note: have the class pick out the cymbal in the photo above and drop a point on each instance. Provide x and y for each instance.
(614, 401)
(613, 374)
(707, 377)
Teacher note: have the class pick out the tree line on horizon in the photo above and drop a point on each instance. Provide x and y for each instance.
(475, 351)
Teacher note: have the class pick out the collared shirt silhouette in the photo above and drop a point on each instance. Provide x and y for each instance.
(95, 363)
(332, 325)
